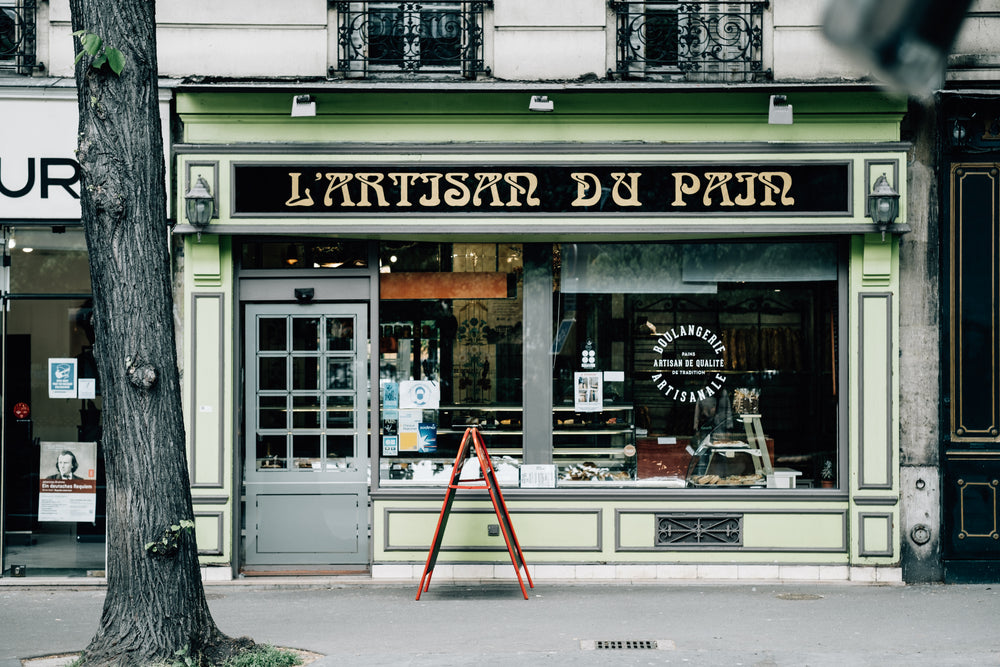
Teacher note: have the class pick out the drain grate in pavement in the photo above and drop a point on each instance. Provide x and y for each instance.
(617, 644)
(799, 596)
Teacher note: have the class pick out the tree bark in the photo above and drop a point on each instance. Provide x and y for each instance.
(155, 604)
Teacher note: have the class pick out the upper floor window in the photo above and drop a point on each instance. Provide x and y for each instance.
(410, 37)
(17, 36)
(703, 41)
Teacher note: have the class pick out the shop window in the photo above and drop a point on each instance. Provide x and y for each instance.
(696, 365)
(17, 36)
(308, 254)
(410, 37)
(690, 41)
(449, 356)
(710, 365)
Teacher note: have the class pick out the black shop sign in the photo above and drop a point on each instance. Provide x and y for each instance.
(668, 189)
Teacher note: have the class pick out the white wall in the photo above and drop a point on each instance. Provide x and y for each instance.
(525, 40)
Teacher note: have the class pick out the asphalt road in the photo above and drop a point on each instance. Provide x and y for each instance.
(561, 624)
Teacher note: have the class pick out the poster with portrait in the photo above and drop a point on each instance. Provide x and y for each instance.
(588, 392)
(67, 481)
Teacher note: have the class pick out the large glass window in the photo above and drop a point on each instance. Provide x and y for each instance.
(719, 359)
(687, 365)
(449, 356)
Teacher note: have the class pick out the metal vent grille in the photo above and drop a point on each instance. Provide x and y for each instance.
(699, 530)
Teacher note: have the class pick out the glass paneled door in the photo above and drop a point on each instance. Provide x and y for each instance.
(306, 461)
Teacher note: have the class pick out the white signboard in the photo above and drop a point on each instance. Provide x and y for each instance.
(419, 394)
(67, 481)
(39, 174)
(539, 476)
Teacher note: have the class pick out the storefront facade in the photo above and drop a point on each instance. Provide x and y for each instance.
(673, 323)
(53, 487)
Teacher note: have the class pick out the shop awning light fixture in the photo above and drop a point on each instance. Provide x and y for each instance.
(883, 204)
(303, 105)
(779, 111)
(541, 103)
(199, 205)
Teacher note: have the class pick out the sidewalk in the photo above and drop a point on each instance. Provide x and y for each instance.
(365, 623)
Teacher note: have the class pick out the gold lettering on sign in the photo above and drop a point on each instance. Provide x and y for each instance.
(371, 181)
(458, 195)
(434, 198)
(712, 190)
(750, 198)
(297, 198)
(585, 182)
(632, 187)
(338, 182)
(487, 182)
(681, 189)
(767, 179)
(403, 182)
(717, 181)
(527, 190)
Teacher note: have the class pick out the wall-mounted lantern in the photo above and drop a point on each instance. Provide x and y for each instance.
(883, 204)
(199, 205)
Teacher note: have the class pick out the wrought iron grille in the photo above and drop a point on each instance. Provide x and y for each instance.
(718, 42)
(17, 36)
(701, 530)
(410, 38)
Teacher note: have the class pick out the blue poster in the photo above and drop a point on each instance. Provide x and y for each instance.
(390, 395)
(62, 378)
(427, 437)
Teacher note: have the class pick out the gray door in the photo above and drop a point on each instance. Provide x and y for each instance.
(307, 468)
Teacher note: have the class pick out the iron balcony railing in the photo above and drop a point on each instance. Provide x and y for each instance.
(718, 42)
(17, 36)
(419, 38)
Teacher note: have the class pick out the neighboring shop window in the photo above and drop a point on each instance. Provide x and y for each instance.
(696, 365)
(449, 356)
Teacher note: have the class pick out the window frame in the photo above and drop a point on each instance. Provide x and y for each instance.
(355, 38)
(703, 52)
(20, 59)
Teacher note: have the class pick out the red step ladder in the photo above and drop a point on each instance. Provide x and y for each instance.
(488, 482)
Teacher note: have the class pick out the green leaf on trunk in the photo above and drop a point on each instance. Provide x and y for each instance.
(91, 43)
(116, 60)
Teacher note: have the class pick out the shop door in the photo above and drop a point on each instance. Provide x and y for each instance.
(971, 452)
(306, 460)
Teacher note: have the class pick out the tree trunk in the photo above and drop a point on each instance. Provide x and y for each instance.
(155, 603)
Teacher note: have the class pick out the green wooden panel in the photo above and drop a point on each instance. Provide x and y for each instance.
(802, 530)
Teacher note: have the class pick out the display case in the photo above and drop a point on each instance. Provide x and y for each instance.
(725, 456)
(594, 446)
